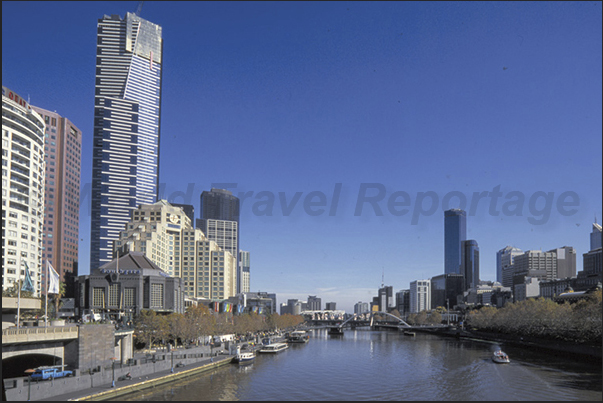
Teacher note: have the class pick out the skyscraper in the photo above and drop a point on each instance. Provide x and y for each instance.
(127, 104)
(244, 271)
(219, 204)
(23, 182)
(470, 263)
(63, 145)
(220, 222)
(455, 231)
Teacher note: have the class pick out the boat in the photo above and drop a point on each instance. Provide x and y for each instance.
(273, 348)
(243, 357)
(335, 331)
(500, 357)
(298, 336)
(409, 333)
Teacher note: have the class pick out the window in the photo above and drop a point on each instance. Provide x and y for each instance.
(98, 297)
(114, 295)
(130, 297)
(156, 296)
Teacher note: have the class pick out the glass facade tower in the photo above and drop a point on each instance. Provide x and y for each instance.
(455, 231)
(127, 104)
(470, 263)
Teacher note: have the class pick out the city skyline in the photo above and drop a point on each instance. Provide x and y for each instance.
(321, 108)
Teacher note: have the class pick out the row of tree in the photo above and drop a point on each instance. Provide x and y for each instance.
(199, 322)
(579, 322)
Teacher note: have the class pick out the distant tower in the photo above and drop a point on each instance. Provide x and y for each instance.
(504, 260)
(470, 263)
(220, 223)
(455, 231)
(595, 236)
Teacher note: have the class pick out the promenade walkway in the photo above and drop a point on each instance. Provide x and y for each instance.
(105, 391)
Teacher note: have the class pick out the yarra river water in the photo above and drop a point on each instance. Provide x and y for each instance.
(380, 365)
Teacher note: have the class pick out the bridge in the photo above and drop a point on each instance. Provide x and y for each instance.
(376, 320)
(82, 347)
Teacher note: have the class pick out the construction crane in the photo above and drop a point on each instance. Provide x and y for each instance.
(139, 9)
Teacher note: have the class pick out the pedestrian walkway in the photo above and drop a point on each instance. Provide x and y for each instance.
(138, 383)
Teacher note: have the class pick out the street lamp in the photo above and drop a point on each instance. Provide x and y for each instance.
(172, 371)
(113, 371)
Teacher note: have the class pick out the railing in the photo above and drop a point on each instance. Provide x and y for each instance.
(25, 334)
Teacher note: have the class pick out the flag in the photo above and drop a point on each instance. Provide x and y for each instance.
(53, 279)
(27, 283)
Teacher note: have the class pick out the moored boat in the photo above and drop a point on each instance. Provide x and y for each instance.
(243, 357)
(500, 357)
(335, 331)
(273, 348)
(298, 336)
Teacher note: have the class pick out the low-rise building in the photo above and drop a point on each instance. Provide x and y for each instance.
(123, 287)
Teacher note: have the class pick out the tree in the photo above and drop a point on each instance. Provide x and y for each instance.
(56, 299)
(151, 327)
(435, 318)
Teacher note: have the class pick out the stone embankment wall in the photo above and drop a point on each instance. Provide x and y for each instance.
(19, 388)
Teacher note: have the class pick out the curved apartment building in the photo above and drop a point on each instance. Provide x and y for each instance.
(23, 182)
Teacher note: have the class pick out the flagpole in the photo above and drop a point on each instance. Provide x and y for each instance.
(19, 294)
(46, 309)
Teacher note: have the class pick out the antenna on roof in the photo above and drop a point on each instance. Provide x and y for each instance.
(139, 9)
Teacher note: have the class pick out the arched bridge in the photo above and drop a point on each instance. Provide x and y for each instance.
(360, 320)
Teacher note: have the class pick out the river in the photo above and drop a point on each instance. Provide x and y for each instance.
(380, 365)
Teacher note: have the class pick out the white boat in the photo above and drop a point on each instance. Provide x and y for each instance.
(500, 357)
(298, 336)
(243, 357)
(273, 348)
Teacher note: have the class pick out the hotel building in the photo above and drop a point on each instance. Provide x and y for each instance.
(165, 235)
(62, 147)
(23, 182)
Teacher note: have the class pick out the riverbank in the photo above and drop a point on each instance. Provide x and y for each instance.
(156, 380)
(591, 352)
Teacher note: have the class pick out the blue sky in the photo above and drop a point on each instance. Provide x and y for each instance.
(425, 98)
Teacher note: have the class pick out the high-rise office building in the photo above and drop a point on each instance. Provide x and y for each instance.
(445, 289)
(470, 263)
(420, 296)
(63, 146)
(455, 231)
(244, 271)
(386, 298)
(314, 303)
(566, 262)
(220, 222)
(504, 259)
(403, 302)
(127, 105)
(219, 204)
(591, 272)
(595, 236)
(361, 307)
(23, 182)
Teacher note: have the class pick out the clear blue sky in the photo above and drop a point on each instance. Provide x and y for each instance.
(301, 96)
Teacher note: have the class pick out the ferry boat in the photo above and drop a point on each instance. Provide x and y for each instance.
(243, 357)
(335, 331)
(273, 348)
(298, 336)
(500, 358)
